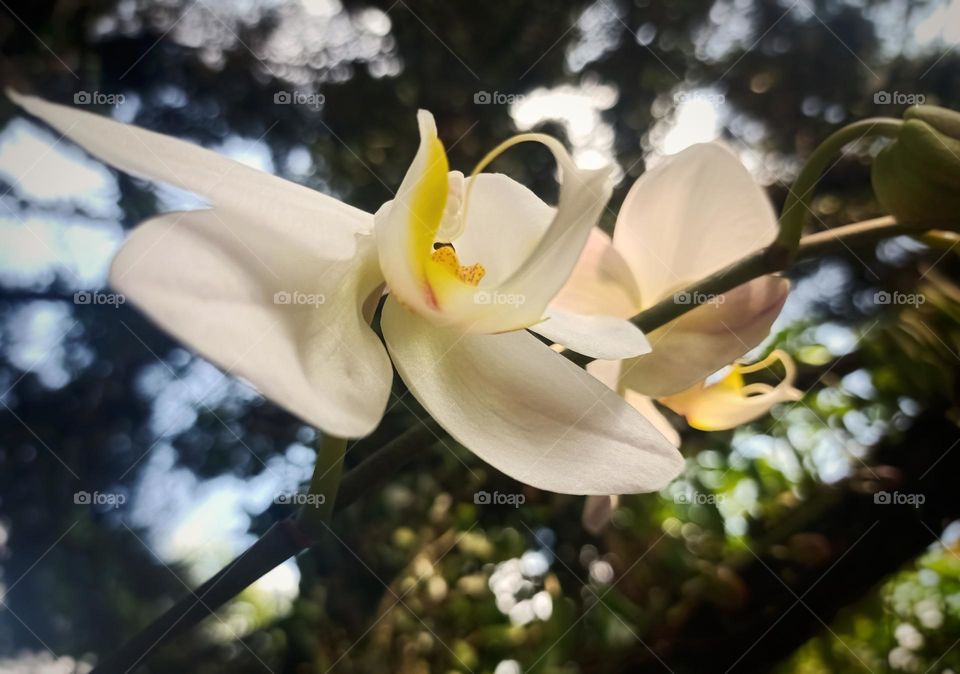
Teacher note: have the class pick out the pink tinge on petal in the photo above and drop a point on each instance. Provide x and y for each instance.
(694, 346)
(601, 282)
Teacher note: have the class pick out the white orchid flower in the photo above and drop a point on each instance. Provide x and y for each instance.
(690, 216)
(278, 284)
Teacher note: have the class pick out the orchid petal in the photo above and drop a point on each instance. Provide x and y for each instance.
(608, 372)
(326, 225)
(597, 511)
(406, 227)
(594, 336)
(601, 283)
(583, 195)
(526, 410)
(691, 348)
(502, 226)
(261, 307)
(691, 215)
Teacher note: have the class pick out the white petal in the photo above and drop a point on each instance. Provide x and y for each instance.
(229, 185)
(315, 356)
(694, 346)
(583, 195)
(691, 215)
(595, 336)
(597, 511)
(644, 405)
(503, 225)
(608, 372)
(601, 283)
(527, 410)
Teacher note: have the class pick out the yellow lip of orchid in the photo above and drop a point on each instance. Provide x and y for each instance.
(437, 211)
(451, 272)
(731, 401)
(436, 216)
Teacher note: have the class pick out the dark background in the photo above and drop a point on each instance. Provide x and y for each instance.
(769, 554)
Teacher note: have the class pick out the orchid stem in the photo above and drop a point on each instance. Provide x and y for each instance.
(798, 200)
(315, 513)
(767, 261)
(281, 542)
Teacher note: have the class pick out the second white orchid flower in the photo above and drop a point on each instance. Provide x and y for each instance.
(692, 215)
(278, 284)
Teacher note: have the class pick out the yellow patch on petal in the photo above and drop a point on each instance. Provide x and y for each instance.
(730, 402)
(426, 207)
(433, 204)
(437, 207)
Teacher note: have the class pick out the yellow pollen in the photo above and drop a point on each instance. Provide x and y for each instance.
(445, 255)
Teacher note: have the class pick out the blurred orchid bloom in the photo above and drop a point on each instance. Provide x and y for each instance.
(692, 215)
(278, 284)
(730, 402)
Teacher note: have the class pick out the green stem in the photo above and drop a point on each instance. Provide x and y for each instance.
(798, 200)
(315, 513)
(282, 541)
(763, 262)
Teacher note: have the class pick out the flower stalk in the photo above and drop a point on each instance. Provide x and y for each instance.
(313, 516)
(798, 200)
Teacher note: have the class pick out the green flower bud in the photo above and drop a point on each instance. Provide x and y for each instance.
(943, 120)
(917, 177)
